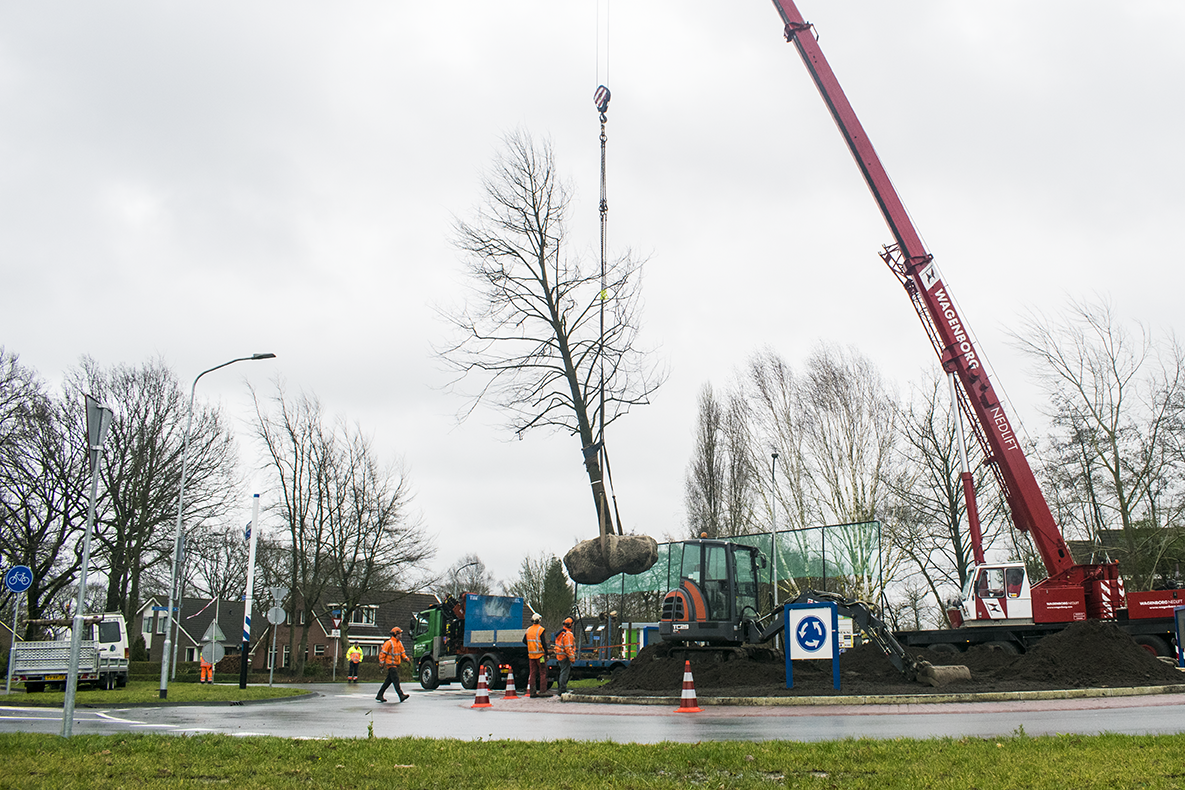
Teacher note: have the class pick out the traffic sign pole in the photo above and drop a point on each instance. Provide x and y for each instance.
(17, 580)
(12, 648)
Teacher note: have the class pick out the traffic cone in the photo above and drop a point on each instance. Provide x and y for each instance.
(482, 699)
(511, 691)
(687, 702)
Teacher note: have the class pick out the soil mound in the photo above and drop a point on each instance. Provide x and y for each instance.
(1091, 654)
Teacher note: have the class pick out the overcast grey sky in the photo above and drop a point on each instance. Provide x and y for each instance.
(206, 180)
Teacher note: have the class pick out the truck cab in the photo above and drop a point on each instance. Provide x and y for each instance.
(995, 593)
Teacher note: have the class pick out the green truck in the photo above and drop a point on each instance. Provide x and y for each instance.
(452, 640)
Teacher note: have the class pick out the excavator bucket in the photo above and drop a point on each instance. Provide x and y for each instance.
(589, 563)
(941, 675)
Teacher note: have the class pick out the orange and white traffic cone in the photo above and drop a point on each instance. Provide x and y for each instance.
(482, 699)
(511, 691)
(687, 702)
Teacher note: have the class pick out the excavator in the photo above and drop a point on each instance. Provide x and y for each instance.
(714, 612)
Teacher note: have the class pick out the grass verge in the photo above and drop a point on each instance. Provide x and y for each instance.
(138, 691)
(151, 761)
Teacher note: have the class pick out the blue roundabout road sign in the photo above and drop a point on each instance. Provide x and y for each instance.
(811, 633)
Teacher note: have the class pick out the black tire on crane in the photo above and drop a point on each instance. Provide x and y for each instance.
(1155, 645)
(944, 648)
(1009, 648)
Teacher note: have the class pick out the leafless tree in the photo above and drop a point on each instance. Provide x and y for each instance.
(350, 529)
(377, 543)
(925, 519)
(468, 574)
(721, 480)
(218, 561)
(43, 472)
(1116, 404)
(142, 467)
(833, 429)
(299, 449)
(544, 333)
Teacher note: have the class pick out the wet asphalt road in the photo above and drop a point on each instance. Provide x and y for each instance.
(341, 711)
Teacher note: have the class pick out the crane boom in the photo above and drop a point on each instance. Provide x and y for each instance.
(914, 266)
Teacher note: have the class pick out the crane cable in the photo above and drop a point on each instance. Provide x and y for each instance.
(601, 100)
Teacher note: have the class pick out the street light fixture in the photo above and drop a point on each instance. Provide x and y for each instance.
(164, 659)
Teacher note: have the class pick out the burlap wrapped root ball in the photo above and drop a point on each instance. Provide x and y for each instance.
(631, 554)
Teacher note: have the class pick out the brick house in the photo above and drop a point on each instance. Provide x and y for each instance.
(370, 626)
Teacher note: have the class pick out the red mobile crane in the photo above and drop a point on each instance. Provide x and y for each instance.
(1082, 590)
(998, 605)
(1072, 591)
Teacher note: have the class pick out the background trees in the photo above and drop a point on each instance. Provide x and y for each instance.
(43, 470)
(347, 520)
(926, 520)
(1116, 403)
(720, 492)
(141, 473)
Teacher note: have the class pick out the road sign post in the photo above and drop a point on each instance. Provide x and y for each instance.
(811, 631)
(276, 616)
(98, 421)
(17, 580)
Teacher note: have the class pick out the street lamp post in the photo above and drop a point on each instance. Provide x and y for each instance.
(164, 658)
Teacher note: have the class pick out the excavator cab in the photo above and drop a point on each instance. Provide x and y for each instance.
(717, 593)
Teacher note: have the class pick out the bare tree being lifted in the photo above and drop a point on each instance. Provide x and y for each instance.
(555, 342)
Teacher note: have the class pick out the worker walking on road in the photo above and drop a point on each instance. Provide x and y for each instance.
(354, 656)
(391, 656)
(565, 653)
(536, 640)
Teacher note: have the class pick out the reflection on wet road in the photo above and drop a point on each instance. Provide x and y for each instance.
(341, 711)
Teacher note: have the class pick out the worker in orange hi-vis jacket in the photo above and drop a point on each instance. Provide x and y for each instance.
(391, 656)
(536, 641)
(207, 670)
(565, 653)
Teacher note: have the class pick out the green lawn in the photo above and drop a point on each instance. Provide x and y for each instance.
(149, 691)
(151, 761)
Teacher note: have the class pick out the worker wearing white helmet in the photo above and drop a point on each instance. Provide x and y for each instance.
(536, 641)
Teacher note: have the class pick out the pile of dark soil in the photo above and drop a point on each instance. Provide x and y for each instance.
(1092, 654)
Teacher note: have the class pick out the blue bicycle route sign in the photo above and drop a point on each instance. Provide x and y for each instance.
(18, 578)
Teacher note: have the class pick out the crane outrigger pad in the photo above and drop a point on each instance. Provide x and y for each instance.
(588, 563)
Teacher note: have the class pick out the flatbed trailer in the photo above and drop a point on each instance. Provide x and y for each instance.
(1156, 635)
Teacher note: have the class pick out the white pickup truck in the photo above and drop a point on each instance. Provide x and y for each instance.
(102, 657)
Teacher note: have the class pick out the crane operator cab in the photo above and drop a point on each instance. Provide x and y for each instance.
(717, 592)
(993, 593)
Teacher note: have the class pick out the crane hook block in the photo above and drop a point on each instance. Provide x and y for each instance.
(601, 99)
